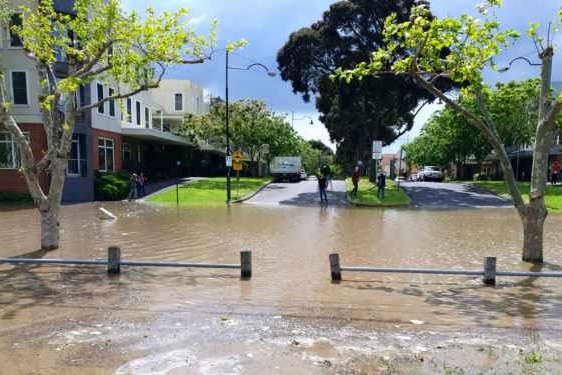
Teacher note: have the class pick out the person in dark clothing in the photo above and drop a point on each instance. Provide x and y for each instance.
(322, 185)
(355, 181)
(381, 184)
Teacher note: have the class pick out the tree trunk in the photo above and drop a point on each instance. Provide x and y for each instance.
(50, 229)
(533, 225)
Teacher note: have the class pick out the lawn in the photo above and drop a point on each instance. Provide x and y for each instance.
(553, 197)
(367, 194)
(209, 192)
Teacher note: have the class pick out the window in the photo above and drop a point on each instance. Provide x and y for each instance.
(105, 154)
(197, 105)
(19, 87)
(9, 154)
(138, 112)
(178, 102)
(147, 117)
(112, 103)
(101, 107)
(127, 155)
(77, 161)
(15, 20)
(129, 110)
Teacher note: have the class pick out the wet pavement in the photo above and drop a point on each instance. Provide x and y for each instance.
(303, 193)
(451, 196)
(289, 318)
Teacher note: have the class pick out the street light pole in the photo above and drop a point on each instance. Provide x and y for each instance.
(227, 116)
(227, 133)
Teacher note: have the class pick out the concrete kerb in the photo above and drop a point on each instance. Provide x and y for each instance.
(253, 194)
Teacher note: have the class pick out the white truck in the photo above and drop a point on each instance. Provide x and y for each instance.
(286, 168)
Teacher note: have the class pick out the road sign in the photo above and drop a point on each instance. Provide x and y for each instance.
(229, 161)
(237, 156)
(237, 167)
(377, 146)
(377, 155)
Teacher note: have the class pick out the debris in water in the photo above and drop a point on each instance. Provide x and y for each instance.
(416, 322)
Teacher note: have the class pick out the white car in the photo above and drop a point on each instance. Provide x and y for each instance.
(430, 173)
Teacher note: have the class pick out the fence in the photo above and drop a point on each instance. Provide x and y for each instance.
(488, 274)
(114, 263)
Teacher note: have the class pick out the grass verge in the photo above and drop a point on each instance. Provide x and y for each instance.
(367, 194)
(553, 194)
(209, 192)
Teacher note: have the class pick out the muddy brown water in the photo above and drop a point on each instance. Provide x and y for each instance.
(289, 315)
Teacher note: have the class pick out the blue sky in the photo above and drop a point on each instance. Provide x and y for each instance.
(266, 25)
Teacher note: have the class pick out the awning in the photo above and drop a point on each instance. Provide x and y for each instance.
(154, 135)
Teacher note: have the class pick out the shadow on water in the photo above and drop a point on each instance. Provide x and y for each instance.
(30, 287)
(525, 299)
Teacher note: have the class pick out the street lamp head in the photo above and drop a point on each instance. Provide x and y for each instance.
(271, 74)
(503, 69)
(311, 122)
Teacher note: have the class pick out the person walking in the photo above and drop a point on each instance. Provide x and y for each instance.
(327, 173)
(322, 185)
(133, 187)
(355, 181)
(381, 184)
(556, 167)
(141, 182)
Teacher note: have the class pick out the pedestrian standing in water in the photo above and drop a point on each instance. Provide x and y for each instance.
(141, 182)
(133, 187)
(327, 172)
(355, 181)
(381, 184)
(322, 185)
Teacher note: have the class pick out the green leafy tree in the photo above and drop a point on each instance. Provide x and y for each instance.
(252, 125)
(359, 111)
(473, 43)
(448, 137)
(100, 42)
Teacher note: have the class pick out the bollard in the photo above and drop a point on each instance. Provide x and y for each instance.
(245, 264)
(114, 260)
(490, 270)
(335, 268)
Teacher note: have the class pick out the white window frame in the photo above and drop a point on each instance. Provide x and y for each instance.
(138, 113)
(109, 89)
(26, 72)
(15, 154)
(128, 114)
(105, 153)
(147, 118)
(100, 107)
(9, 34)
(182, 102)
(78, 159)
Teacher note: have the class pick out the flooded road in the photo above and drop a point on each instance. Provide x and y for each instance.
(288, 316)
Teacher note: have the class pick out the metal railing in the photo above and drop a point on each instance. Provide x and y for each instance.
(488, 274)
(114, 262)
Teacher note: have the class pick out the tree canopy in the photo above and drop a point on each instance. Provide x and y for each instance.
(91, 40)
(473, 42)
(356, 112)
(449, 137)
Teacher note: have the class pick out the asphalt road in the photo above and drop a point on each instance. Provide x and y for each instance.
(451, 195)
(304, 193)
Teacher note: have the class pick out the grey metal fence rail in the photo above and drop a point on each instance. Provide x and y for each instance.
(488, 274)
(114, 262)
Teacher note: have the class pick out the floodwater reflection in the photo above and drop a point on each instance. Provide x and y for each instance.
(291, 276)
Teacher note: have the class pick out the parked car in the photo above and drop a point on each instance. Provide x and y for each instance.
(399, 179)
(431, 173)
(304, 176)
